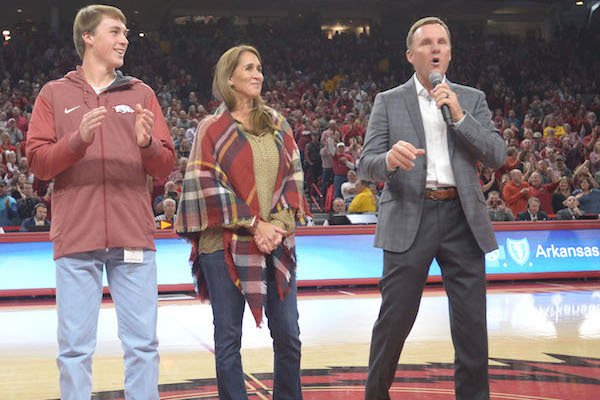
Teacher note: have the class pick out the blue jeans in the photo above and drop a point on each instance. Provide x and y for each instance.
(133, 288)
(228, 310)
(337, 185)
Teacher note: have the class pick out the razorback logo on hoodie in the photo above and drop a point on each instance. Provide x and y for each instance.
(123, 109)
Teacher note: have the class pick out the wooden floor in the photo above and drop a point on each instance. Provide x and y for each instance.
(544, 344)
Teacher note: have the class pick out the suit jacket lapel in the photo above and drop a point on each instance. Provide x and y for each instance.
(450, 134)
(412, 103)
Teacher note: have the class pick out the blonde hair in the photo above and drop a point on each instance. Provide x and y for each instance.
(87, 20)
(261, 118)
(425, 21)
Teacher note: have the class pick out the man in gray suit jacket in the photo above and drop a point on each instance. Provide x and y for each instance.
(431, 206)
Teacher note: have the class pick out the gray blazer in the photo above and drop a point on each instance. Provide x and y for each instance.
(396, 116)
(566, 214)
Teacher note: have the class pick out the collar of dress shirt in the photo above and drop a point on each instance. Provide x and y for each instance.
(421, 91)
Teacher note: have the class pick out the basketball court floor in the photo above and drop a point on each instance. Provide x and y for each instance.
(544, 345)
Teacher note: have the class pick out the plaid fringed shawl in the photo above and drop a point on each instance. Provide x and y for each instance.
(219, 188)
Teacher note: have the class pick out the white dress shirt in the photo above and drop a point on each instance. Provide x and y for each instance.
(439, 170)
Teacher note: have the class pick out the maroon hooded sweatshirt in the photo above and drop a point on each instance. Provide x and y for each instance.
(100, 195)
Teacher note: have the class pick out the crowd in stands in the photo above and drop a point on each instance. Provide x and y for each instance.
(545, 99)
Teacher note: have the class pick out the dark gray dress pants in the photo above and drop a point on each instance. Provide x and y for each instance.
(444, 234)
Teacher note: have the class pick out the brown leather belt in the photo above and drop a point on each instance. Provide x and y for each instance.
(441, 194)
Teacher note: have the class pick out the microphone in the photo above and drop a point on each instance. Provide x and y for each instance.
(435, 78)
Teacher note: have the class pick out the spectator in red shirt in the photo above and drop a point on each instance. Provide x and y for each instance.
(542, 191)
(512, 160)
(352, 128)
(516, 192)
(346, 128)
(342, 163)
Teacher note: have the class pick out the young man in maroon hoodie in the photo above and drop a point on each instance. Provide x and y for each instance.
(98, 133)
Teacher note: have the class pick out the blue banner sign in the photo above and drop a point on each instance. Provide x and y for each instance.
(545, 251)
(29, 265)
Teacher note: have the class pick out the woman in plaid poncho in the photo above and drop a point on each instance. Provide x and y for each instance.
(242, 195)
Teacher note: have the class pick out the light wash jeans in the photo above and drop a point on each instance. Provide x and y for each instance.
(133, 288)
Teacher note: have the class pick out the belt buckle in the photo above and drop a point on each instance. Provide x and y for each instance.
(431, 194)
(445, 193)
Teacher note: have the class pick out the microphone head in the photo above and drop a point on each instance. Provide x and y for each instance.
(435, 78)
